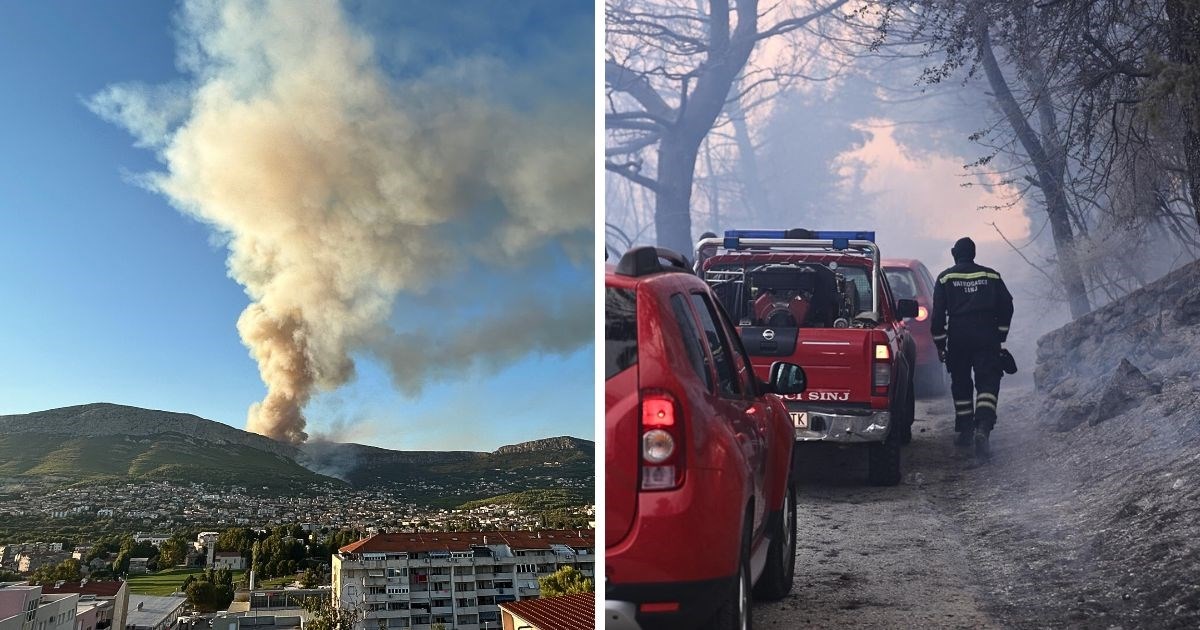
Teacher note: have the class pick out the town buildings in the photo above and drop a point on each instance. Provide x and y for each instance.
(25, 607)
(108, 601)
(457, 579)
(150, 612)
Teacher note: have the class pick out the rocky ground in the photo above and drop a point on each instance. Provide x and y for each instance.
(1088, 515)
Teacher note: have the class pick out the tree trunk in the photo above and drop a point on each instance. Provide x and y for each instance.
(1050, 178)
(672, 205)
(1183, 32)
(752, 188)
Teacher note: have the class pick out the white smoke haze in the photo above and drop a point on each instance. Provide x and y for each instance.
(922, 200)
(338, 188)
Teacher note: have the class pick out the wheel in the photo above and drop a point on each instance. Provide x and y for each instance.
(883, 462)
(735, 612)
(776, 580)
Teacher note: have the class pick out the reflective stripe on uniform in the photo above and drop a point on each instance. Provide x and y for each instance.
(968, 276)
(985, 404)
(1003, 328)
(939, 337)
(985, 396)
(962, 412)
(962, 403)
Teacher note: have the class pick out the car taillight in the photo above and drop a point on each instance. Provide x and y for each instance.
(922, 313)
(662, 442)
(881, 375)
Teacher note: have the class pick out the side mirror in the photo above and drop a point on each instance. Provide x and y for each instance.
(906, 308)
(787, 378)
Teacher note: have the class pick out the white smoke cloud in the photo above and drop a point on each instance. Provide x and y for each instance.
(338, 188)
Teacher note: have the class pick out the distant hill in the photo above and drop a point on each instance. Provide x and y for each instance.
(104, 441)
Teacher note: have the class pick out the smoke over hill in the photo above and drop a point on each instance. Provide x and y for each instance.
(337, 188)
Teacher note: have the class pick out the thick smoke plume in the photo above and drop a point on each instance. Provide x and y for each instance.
(337, 188)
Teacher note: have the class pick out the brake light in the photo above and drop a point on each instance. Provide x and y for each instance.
(922, 313)
(881, 373)
(662, 462)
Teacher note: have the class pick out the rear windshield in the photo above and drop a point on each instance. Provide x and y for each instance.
(620, 330)
(903, 283)
(805, 295)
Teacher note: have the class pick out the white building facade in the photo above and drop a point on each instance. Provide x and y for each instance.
(457, 579)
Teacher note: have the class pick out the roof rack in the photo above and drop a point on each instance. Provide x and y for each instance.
(647, 259)
(802, 239)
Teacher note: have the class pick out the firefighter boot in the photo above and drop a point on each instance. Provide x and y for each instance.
(983, 450)
(963, 439)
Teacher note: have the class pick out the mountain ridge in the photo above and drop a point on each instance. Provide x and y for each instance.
(94, 440)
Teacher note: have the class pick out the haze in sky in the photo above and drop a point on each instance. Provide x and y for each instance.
(389, 204)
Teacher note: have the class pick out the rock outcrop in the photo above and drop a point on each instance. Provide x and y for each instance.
(1120, 356)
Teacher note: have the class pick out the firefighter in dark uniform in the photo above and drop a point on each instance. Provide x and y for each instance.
(980, 309)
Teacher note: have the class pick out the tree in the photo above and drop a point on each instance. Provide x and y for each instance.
(1095, 103)
(310, 579)
(120, 565)
(173, 551)
(67, 571)
(325, 616)
(669, 72)
(211, 591)
(565, 581)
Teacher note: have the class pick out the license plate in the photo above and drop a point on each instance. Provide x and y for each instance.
(800, 419)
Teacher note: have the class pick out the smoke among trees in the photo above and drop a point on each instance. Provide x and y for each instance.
(1074, 122)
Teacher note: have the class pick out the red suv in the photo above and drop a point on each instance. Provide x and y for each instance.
(700, 502)
(910, 280)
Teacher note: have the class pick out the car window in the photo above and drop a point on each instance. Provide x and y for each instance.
(691, 340)
(741, 360)
(718, 346)
(903, 283)
(928, 279)
(620, 330)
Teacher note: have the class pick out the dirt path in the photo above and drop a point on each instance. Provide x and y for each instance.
(1091, 529)
(882, 557)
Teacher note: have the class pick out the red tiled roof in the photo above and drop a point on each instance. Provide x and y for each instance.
(462, 541)
(99, 589)
(569, 612)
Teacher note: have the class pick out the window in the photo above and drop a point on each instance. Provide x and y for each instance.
(718, 346)
(691, 339)
(903, 283)
(620, 330)
(523, 568)
(397, 590)
(741, 360)
(397, 572)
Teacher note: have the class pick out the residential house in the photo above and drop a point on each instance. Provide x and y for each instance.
(231, 560)
(568, 612)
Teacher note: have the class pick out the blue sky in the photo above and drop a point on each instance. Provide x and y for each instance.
(111, 293)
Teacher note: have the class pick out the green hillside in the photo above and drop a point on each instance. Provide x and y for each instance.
(515, 471)
(535, 500)
(166, 456)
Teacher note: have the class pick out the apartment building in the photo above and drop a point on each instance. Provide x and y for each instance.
(25, 607)
(457, 579)
(114, 592)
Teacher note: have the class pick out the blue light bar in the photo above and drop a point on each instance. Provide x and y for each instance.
(841, 239)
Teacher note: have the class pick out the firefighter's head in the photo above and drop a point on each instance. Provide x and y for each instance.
(963, 250)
